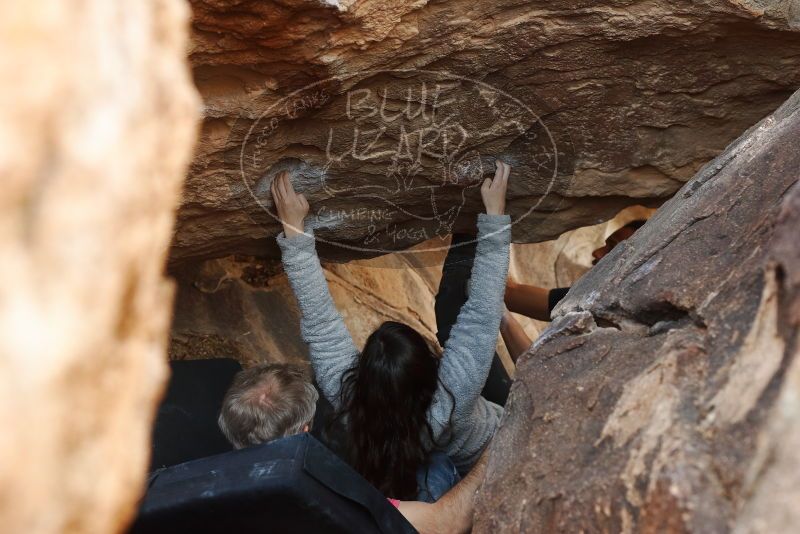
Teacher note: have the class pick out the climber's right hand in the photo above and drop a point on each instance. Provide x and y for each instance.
(292, 207)
(493, 191)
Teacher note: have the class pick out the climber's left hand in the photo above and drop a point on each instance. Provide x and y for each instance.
(292, 207)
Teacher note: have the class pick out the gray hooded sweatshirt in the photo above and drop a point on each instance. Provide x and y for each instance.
(463, 423)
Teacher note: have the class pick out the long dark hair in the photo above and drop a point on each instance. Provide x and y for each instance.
(385, 399)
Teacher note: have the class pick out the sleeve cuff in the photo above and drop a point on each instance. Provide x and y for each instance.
(485, 218)
(296, 242)
(490, 225)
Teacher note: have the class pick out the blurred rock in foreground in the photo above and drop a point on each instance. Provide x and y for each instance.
(96, 130)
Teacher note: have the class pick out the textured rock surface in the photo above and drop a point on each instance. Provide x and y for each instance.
(96, 131)
(243, 308)
(664, 397)
(635, 96)
(773, 481)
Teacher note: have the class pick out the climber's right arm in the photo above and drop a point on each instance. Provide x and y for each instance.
(469, 351)
(331, 347)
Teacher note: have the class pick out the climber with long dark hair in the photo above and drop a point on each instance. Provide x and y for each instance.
(403, 401)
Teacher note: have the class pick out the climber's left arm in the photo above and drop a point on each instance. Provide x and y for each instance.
(331, 347)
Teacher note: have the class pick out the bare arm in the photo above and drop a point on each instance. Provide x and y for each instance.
(516, 340)
(530, 301)
(453, 512)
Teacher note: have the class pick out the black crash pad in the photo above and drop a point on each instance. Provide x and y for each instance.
(292, 485)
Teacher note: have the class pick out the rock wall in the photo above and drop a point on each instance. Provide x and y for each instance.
(397, 107)
(664, 396)
(96, 131)
(243, 308)
(772, 485)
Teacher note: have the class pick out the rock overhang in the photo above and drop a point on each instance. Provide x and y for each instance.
(609, 106)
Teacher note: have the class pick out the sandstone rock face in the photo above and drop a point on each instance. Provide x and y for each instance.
(244, 308)
(773, 482)
(96, 131)
(389, 112)
(664, 396)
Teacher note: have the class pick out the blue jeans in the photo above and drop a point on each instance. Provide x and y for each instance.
(436, 478)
